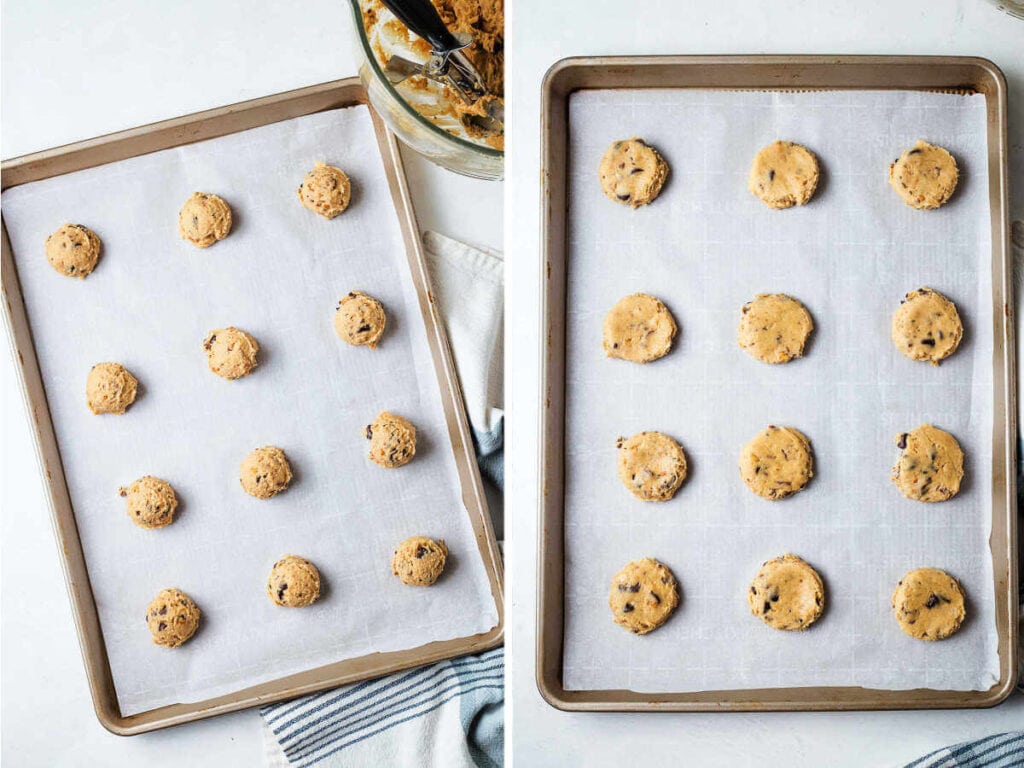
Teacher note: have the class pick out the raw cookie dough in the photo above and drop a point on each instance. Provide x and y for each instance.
(294, 582)
(774, 328)
(924, 175)
(651, 465)
(230, 352)
(643, 595)
(926, 326)
(265, 472)
(73, 250)
(777, 463)
(392, 440)
(784, 174)
(173, 617)
(360, 319)
(930, 466)
(929, 604)
(110, 388)
(150, 502)
(787, 594)
(204, 219)
(639, 328)
(632, 172)
(325, 190)
(419, 561)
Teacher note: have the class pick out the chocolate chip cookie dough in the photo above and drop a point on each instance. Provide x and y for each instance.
(928, 604)
(651, 465)
(150, 502)
(639, 328)
(925, 176)
(173, 617)
(325, 190)
(784, 174)
(110, 388)
(774, 328)
(787, 594)
(930, 466)
(294, 582)
(632, 172)
(73, 250)
(777, 463)
(392, 440)
(265, 472)
(360, 319)
(419, 561)
(926, 326)
(643, 595)
(204, 219)
(230, 352)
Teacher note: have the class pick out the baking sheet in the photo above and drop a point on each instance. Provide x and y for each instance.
(705, 247)
(279, 275)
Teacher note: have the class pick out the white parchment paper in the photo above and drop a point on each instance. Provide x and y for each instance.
(279, 275)
(705, 247)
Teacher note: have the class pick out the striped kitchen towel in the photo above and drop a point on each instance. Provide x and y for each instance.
(1002, 750)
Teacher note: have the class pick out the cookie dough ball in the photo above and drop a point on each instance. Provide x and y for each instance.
(173, 617)
(639, 328)
(294, 582)
(325, 190)
(419, 561)
(643, 595)
(204, 219)
(931, 464)
(924, 176)
(150, 502)
(784, 174)
(774, 328)
(928, 604)
(73, 250)
(231, 352)
(926, 326)
(651, 465)
(265, 472)
(360, 319)
(787, 594)
(110, 388)
(777, 463)
(632, 172)
(392, 440)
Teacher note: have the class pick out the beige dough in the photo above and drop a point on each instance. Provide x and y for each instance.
(643, 595)
(230, 352)
(639, 328)
(265, 472)
(774, 328)
(392, 440)
(360, 319)
(325, 190)
(150, 502)
(419, 561)
(632, 172)
(110, 388)
(651, 465)
(787, 594)
(73, 250)
(931, 464)
(784, 174)
(173, 617)
(928, 604)
(926, 326)
(777, 463)
(925, 176)
(294, 582)
(204, 219)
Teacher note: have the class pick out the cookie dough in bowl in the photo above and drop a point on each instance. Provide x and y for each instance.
(787, 594)
(924, 176)
(265, 472)
(652, 465)
(294, 582)
(929, 604)
(150, 502)
(392, 440)
(632, 172)
(777, 462)
(784, 174)
(639, 328)
(931, 464)
(774, 328)
(110, 388)
(231, 352)
(73, 250)
(204, 219)
(419, 561)
(325, 190)
(926, 326)
(172, 617)
(360, 319)
(643, 595)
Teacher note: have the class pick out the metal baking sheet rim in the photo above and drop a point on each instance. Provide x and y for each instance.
(792, 73)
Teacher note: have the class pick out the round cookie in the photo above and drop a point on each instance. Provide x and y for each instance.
(150, 502)
(294, 582)
(360, 319)
(787, 594)
(777, 463)
(930, 466)
(643, 595)
(651, 465)
(204, 219)
(639, 328)
(928, 604)
(73, 250)
(325, 190)
(173, 617)
(926, 326)
(110, 388)
(392, 440)
(632, 172)
(924, 176)
(784, 174)
(419, 561)
(231, 352)
(774, 328)
(265, 472)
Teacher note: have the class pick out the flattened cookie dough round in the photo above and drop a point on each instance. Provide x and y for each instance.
(231, 352)
(928, 604)
(325, 190)
(419, 561)
(926, 326)
(150, 502)
(643, 595)
(73, 250)
(651, 465)
(639, 328)
(294, 582)
(360, 319)
(173, 617)
(265, 472)
(777, 462)
(787, 593)
(204, 219)
(925, 176)
(784, 174)
(632, 172)
(774, 328)
(392, 440)
(930, 466)
(110, 388)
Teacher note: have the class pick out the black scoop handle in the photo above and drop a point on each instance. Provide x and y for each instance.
(421, 17)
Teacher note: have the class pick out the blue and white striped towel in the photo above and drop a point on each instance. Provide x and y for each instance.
(1002, 750)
